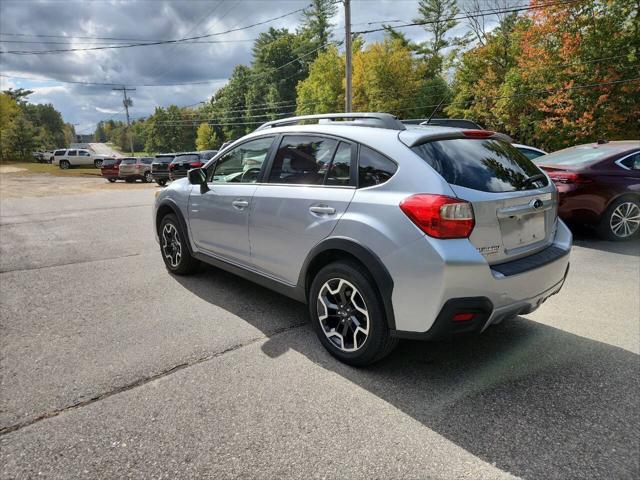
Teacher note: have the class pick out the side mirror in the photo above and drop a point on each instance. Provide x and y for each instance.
(197, 176)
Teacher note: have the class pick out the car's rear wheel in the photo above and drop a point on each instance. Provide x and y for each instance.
(97, 163)
(148, 178)
(64, 164)
(112, 180)
(173, 246)
(161, 182)
(621, 221)
(347, 314)
(129, 180)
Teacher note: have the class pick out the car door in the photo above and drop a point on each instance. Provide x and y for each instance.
(72, 156)
(219, 217)
(84, 158)
(309, 186)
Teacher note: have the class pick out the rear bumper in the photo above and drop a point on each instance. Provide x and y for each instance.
(160, 175)
(424, 286)
(177, 175)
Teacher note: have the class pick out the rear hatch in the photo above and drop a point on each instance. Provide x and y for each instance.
(183, 163)
(128, 166)
(161, 163)
(514, 203)
(110, 167)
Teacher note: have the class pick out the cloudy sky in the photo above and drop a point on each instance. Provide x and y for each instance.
(61, 24)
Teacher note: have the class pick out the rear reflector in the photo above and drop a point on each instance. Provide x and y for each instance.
(439, 216)
(463, 317)
(478, 133)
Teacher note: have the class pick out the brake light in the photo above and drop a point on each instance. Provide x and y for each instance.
(478, 133)
(569, 177)
(439, 216)
(196, 164)
(463, 317)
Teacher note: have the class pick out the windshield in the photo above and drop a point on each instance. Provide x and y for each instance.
(486, 165)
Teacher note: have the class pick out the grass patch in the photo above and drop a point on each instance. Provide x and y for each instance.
(54, 169)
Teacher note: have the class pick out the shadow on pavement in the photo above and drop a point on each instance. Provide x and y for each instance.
(585, 237)
(533, 400)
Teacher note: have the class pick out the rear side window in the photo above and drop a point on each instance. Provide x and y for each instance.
(485, 165)
(72, 153)
(302, 160)
(374, 168)
(632, 162)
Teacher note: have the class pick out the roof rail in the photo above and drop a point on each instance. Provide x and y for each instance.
(367, 119)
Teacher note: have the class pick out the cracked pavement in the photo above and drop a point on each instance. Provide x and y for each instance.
(112, 368)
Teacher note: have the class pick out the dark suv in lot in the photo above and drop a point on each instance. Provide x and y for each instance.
(182, 163)
(160, 167)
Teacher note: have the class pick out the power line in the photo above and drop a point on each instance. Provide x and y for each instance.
(145, 44)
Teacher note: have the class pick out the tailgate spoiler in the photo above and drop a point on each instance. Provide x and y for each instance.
(419, 135)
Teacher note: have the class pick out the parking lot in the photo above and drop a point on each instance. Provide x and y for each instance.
(112, 368)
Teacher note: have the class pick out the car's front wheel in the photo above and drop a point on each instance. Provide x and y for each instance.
(64, 164)
(173, 246)
(148, 178)
(621, 221)
(348, 316)
(161, 182)
(112, 180)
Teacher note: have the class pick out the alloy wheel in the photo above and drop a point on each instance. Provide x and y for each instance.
(625, 220)
(148, 177)
(171, 246)
(343, 315)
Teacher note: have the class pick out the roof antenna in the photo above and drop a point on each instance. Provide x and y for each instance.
(435, 110)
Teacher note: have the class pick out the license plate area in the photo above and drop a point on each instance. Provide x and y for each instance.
(520, 231)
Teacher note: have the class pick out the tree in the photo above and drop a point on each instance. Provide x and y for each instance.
(323, 90)
(316, 22)
(206, 138)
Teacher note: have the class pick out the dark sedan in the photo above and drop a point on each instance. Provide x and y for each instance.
(181, 164)
(599, 184)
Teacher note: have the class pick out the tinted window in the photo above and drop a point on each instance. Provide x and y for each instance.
(207, 155)
(186, 158)
(108, 163)
(530, 154)
(59, 152)
(302, 160)
(243, 163)
(486, 165)
(83, 153)
(129, 161)
(340, 169)
(632, 162)
(374, 168)
(72, 153)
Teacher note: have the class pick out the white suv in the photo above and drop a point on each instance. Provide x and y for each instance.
(75, 157)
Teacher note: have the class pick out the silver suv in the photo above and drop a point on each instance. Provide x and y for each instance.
(386, 231)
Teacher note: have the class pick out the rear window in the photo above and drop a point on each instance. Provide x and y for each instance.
(108, 163)
(163, 159)
(186, 158)
(577, 156)
(129, 161)
(146, 160)
(485, 165)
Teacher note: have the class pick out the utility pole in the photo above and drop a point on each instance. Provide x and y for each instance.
(347, 43)
(127, 102)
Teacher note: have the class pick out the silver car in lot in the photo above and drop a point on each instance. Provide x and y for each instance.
(386, 231)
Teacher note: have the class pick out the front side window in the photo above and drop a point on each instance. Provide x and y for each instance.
(302, 160)
(83, 153)
(374, 168)
(242, 164)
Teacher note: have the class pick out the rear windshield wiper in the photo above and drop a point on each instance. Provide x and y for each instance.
(532, 179)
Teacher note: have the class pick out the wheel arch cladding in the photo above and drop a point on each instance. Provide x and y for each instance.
(168, 207)
(335, 249)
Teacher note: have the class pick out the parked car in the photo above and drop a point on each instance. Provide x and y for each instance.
(38, 156)
(444, 122)
(110, 169)
(76, 157)
(599, 185)
(385, 232)
(136, 168)
(182, 163)
(530, 152)
(160, 167)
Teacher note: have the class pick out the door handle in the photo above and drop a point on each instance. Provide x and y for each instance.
(240, 204)
(322, 210)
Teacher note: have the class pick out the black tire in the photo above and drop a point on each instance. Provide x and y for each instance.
(605, 227)
(112, 180)
(186, 264)
(64, 164)
(97, 163)
(161, 182)
(129, 180)
(378, 342)
(147, 178)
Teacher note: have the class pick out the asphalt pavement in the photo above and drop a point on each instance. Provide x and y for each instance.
(112, 368)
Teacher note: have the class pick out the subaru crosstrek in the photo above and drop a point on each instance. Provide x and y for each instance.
(386, 231)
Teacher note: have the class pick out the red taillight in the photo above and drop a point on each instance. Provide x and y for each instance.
(196, 164)
(463, 317)
(568, 177)
(440, 216)
(478, 133)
